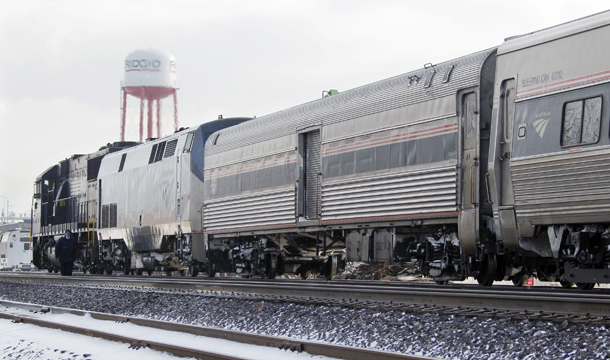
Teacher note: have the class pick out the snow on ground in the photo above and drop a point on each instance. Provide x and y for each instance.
(25, 341)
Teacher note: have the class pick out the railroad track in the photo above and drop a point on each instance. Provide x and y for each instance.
(311, 348)
(531, 302)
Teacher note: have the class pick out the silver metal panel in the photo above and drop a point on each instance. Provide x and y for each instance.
(357, 246)
(252, 210)
(381, 96)
(148, 197)
(562, 185)
(555, 32)
(468, 230)
(508, 226)
(384, 243)
(407, 193)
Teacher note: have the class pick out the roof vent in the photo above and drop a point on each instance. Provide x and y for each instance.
(329, 93)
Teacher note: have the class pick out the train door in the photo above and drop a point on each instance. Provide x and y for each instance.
(308, 186)
(506, 120)
(469, 193)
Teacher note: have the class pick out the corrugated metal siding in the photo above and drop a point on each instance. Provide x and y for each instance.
(407, 193)
(260, 209)
(392, 93)
(562, 184)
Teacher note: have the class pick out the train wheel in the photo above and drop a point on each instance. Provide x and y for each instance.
(150, 272)
(334, 266)
(519, 279)
(183, 272)
(193, 270)
(168, 272)
(50, 270)
(585, 286)
(139, 272)
(109, 272)
(566, 284)
(487, 273)
(442, 282)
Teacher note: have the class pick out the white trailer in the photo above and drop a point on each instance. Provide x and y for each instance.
(15, 250)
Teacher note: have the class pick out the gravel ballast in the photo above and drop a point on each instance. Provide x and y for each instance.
(436, 335)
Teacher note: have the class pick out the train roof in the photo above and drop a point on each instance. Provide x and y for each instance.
(587, 23)
(418, 86)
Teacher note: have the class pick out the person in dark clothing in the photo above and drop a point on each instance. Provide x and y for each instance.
(65, 251)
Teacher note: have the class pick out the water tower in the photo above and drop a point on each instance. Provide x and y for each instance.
(150, 75)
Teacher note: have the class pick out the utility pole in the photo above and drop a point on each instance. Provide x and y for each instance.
(4, 212)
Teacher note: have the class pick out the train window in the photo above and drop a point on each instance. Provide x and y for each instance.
(153, 152)
(26, 246)
(160, 151)
(122, 162)
(11, 244)
(581, 121)
(170, 149)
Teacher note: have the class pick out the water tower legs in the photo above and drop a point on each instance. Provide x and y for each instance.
(150, 118)
(159, 118)
(124, 114)
(142, 97)
(175, 111)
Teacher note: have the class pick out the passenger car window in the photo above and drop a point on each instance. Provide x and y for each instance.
(581, 121)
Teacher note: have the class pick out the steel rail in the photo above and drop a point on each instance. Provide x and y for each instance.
(531, 299)
(310, 347)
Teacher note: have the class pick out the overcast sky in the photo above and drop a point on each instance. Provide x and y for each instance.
(61, 62)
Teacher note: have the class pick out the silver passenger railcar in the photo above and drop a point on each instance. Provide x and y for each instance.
(550, 164)
(370, 174)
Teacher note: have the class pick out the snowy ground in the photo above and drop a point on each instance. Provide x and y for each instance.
(26, 341)
(434, 335)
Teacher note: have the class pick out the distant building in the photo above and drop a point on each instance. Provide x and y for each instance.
(24, 224)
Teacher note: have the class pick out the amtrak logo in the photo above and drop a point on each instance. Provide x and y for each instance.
(540, 126)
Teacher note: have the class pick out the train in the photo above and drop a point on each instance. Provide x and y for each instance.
(494, 165)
